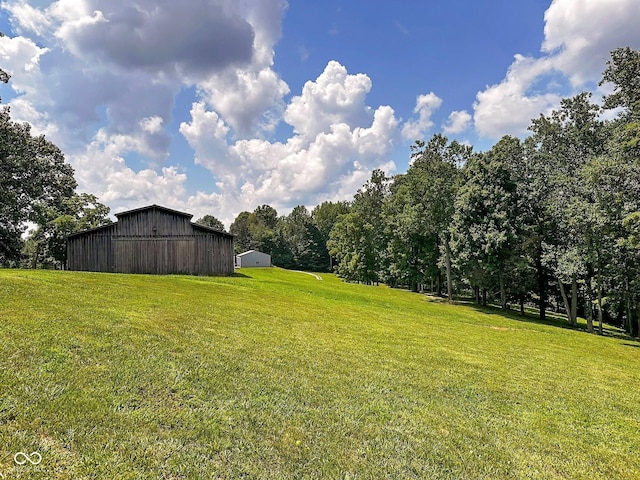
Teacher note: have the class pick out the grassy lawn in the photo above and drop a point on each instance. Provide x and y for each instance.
(274, 374)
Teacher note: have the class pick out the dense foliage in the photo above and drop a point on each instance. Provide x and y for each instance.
(294, 241)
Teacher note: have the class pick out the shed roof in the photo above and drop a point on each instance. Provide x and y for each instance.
(251, 251)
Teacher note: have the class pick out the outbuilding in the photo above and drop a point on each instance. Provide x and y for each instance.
(253, 258)
(155, 240)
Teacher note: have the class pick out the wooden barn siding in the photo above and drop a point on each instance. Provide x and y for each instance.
(154, 255)
(92, 252)
(142, 223)
(215, 254)
(208, 254)
(132, 246)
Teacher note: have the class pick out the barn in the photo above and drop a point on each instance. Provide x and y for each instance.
(253, 258)
(153, 239)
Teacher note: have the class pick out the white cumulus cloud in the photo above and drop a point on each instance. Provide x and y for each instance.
(334, 97)
(425, 106)
(457, 122)
(578, 38)
(101, 80)
(338, 141)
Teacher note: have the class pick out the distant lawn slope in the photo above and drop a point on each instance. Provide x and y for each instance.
(275, 374)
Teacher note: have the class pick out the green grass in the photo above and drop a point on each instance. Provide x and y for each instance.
(274, 374)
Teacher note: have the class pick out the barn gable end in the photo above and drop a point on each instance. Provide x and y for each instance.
(155, 240)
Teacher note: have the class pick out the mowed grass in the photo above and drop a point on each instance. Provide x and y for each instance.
(274, 374)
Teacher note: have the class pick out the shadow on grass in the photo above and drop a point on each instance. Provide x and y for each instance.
(554, 320)
(240, 275)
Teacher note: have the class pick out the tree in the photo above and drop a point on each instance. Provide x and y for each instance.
(34, 179)
(614, 177)
(486, 228)
(255, 230)
(623, 70)
(351, 243)
(325, 217)
(242, 231)
(412, 247)
(357, 240)
(369, 203)
(300, 243)
(565, 141)
(47, 243)
(211, 222)
(267, 216)
(440, 160)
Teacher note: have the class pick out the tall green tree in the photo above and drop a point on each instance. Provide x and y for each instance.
(565, 141)
(300, 243)
(241, 228)
(412, 245)
(615, 179)
(351, 243)
(47, 243)
(325, 217)
(486, 223)
(439, 161)
(34, 179)
(255, 230)
(357, 240)
(211, 222)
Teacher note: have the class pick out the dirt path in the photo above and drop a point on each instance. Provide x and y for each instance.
(318, 277)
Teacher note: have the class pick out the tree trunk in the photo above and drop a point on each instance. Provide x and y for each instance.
(503, 290)
(484, 297)
(447, 257)
(628, 325)
(542, 287)
(34, 258)
(574, 300)
(414, 271)
(637, 322)
(522, 305)
(599, 302)
(566, 301)
(476, 291)
(589, 299)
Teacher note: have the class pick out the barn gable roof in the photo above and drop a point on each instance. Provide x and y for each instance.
(160, 208)
(197, 226)
(91, 230)
(154, 207)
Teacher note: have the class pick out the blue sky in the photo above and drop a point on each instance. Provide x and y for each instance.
(218, 106)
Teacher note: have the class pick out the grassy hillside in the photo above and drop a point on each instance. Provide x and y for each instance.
(275, 374)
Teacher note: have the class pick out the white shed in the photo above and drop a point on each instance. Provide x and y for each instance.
(253, 258)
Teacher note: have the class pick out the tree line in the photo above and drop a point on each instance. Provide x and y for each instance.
(552, 220)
